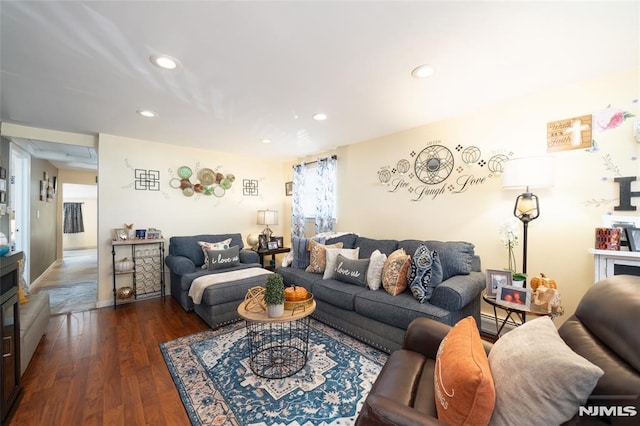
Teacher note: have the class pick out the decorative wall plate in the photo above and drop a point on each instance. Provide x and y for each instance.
(188, 192)
(225, 183)
(208, 190)
(184, 172)
(218, 191)
(174, 183)
(206, 176)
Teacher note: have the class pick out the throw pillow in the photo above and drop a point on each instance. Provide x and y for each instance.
(394, 272)
(537, 376)
(332, 254)
(318, 260)
(374, 273)
(464, 389)
(425, 273)
(220, 259)
(301, 255)
(206, 246)
(351, 271)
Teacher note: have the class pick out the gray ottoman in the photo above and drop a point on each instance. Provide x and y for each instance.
(34, 318)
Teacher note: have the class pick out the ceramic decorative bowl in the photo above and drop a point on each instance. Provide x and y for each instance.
(4, 250)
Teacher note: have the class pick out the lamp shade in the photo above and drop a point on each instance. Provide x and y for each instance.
(267, 217)
(529, 172)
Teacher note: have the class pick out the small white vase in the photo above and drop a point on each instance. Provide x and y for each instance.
(518, 283)
(275, 311)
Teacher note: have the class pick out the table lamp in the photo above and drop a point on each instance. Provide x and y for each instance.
(267, 217)
(527, 172)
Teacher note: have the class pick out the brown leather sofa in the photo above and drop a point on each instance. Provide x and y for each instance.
(605, 329)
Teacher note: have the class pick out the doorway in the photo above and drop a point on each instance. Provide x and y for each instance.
(20, 167)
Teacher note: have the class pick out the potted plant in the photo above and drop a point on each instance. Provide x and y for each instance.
(274, 295)
(519, 279)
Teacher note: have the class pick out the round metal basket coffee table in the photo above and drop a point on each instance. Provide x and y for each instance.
(278, 347)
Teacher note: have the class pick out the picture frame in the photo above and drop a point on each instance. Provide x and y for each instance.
(496, 278)
(278, 240)
(262, 242)
(633, 238)
(272, 245)
(288, 189)
(121, 234)
(514, 297)
(153, 234)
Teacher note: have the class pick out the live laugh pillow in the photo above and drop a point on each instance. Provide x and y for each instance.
(220, 259)
(351, 271)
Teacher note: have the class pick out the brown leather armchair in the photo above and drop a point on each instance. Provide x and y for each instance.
(403, 393)
(605, 330)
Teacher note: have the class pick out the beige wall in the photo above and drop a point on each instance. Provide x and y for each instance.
(559, 239)
(42, 221)
(170, 211)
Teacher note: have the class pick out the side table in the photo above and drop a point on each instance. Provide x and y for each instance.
(278, 347)
(518, 313)
(272, 253)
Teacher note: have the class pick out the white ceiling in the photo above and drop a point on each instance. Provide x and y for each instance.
(254, 70)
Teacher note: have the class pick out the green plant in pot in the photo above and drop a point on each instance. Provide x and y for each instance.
(519, 279)
(274, 295)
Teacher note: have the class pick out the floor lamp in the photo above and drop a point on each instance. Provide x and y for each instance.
(527, 172)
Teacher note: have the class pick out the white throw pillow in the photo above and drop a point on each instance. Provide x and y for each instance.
(374, 273)
(539, 380)
(332, 255)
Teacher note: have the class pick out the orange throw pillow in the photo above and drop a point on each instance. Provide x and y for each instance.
(464, 389)
(318, 251)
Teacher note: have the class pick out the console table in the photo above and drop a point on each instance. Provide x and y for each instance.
(608, 263)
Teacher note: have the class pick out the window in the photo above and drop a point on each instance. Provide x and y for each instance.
(309, 193)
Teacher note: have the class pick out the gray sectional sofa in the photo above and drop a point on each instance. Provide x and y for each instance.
(220, 302)
(376, 317)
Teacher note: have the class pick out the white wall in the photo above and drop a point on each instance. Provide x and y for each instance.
(168, 209)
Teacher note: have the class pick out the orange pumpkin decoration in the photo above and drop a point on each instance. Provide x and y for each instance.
(295, 294)
(542, 280)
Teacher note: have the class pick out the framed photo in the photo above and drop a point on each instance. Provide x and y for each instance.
(514, 297)
(121, 234)
(153, 235)
(278, 240)
(272, 245)
(262, 242)
(496, 278)
(633, 237)
(288, 189)
(3, 173)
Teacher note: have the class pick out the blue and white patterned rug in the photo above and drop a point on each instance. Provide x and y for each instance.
(212, 374)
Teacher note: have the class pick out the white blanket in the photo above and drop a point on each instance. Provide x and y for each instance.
(200, 284)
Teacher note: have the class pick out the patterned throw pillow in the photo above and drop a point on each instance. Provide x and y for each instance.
(351, 271)
(463, 383)
(374, 273)
(425, 273)
(318, 260)
(222, 245)
(220, 259)
(394, 272)
(332, 255)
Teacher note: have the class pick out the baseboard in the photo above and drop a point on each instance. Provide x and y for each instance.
(488, 324)
(34, 284)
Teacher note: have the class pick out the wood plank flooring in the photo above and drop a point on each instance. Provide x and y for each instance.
(104, 367)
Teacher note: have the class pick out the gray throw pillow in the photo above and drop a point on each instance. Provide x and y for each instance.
(425, 273)
(456, 257)
(220, 259)
(538, 378)
(351, 271)
(301, 255)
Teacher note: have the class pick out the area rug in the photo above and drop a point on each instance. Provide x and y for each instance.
(71, 298)
(212, 374)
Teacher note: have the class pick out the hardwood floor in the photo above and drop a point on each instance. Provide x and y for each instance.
(104, 367)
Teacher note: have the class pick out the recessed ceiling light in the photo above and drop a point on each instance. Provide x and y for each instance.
(164, 61)
(423, 71)
(319, 116)
(147, 113)
(266, 140)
